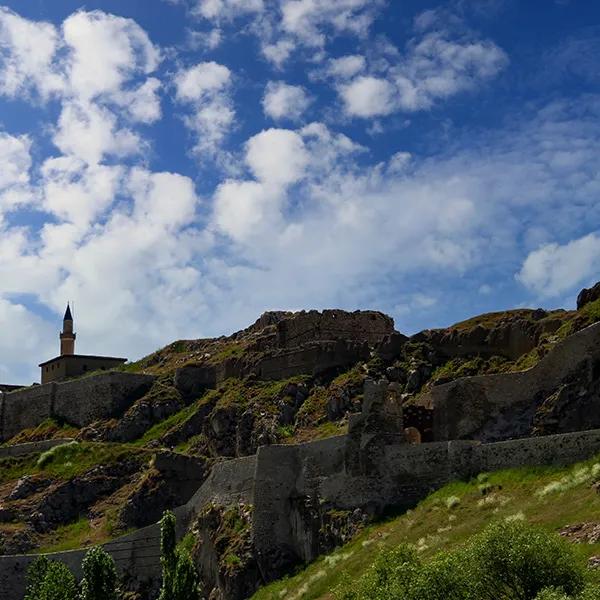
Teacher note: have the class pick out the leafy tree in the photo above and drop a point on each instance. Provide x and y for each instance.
(58, 583)
(35, 576)
(99, 576)
(180, 579)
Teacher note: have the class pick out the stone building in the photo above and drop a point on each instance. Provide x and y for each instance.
(69, 364)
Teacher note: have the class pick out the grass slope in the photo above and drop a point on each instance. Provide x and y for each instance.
(552, 497)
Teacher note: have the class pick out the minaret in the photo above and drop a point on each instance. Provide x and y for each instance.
(67, 337)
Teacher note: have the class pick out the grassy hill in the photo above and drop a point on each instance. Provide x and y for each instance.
(557, 498)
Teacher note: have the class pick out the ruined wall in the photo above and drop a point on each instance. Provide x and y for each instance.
(311, 359)
(25, 408)
(79, 402)
(83, 401)
(308, 326)
(494, 407)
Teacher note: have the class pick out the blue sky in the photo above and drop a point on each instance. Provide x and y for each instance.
(176, 167)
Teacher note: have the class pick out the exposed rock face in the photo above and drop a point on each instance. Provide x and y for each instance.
(171, 481)
(280, 345)
(511, 336)
(588, 295)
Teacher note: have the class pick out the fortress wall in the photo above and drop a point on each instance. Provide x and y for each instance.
(369, 326)
(279, 478)
(26, 408)
(311, 359)
(88, 399)
(558, 449)
(465, 408)
(79, 402)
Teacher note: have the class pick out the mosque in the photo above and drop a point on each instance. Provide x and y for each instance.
(69, 364)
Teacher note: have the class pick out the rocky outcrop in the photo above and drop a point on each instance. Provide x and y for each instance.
(588, 295)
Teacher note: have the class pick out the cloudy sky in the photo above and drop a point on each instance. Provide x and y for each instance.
(176, 167)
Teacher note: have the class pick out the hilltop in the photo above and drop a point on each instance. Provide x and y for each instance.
(288, 378)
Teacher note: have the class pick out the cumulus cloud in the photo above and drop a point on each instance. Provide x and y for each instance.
(435, 66)
(205, 88)
(27, 53)
(284, 26)
(283, 101)
(15, 163)
(554, 269)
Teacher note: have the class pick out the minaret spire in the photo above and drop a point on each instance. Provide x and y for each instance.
(67, 337)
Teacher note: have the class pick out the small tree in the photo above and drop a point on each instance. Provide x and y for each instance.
(58, 583)
(99, 576)
(35, 577)
(180, 579)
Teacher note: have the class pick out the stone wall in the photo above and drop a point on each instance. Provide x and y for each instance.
(78, 402)
(495, 407)
(292, 487)
(310, 326)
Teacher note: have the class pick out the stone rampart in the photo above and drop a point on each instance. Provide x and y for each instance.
(78, 402)
(291, 488)
(106, 395)
(495, 407)
(26, 408)
(310, 326)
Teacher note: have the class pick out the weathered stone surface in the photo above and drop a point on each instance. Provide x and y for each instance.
(588, 295)
(562, 386)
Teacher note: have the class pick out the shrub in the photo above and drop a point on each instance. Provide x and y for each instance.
(99, 576)
(519, 561)
(58, 583)
(507, 561)
(35, 577)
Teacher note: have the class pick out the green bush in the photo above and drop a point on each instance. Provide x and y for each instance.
(58, 583)
(35, 577)
(507, 561)
(516, 561)
(99, 576)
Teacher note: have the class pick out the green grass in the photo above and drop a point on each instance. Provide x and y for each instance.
(68, 537)
(67, 460)
(161, 428)
(452, 514)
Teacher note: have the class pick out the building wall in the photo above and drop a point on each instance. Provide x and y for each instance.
(76, 365)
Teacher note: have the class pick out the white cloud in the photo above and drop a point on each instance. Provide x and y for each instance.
(283, 26)
(554, 269)
(90, 132)
(15, 163)
(434, 67)
(205, 87)
(27, 51)
(106, 52)
(15, 160)
(77, 193)
(277, 156)
(283, 101)
(227, 9)
(345, 67)
(368, 97)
